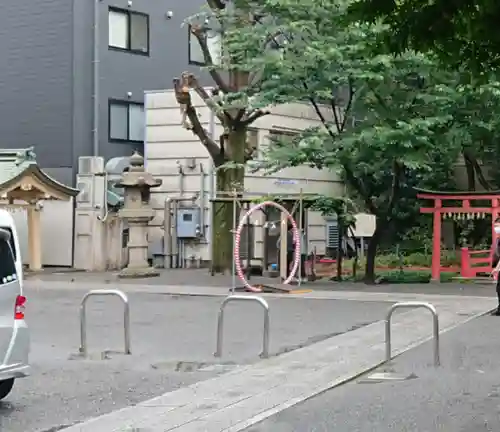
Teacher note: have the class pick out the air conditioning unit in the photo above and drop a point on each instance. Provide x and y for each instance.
(332, 234)
(90, 165)
(117, 165)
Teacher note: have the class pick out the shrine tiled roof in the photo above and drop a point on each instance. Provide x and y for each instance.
(17, 163)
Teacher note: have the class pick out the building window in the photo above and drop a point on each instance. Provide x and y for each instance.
(126, 121)
(129, 31)
(253, 143)
(282, 136)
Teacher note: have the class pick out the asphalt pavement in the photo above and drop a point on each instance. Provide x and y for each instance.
(190, 278)
(411, 395)
(173, 339)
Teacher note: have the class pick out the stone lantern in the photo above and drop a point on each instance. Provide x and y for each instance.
(137, 212)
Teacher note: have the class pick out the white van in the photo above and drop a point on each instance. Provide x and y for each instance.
(14, 333)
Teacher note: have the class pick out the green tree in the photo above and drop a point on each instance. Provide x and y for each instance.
(476, 128)
(231, 150)
(462, 32)
(381, 115)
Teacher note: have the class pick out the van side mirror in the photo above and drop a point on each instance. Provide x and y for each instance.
(4, 235)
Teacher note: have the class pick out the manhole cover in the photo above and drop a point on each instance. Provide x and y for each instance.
(379, 377)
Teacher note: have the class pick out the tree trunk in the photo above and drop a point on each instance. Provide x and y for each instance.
(371, 252)
(228, 180)
(339, 251)
(471, 174)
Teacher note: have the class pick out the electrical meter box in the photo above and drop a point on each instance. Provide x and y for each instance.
(188, 222)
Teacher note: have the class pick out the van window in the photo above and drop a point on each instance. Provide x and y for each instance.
(12, 244)
(7, 263)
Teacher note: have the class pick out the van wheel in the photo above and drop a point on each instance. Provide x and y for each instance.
(6, 387)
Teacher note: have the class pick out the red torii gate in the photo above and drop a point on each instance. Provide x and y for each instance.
(465, 209)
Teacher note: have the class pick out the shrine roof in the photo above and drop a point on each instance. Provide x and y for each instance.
(458, 194)
(15, 164)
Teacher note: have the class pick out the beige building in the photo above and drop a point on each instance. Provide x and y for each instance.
(174, 155)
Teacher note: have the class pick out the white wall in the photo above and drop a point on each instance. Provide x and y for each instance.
(169, 147)
(57, 232)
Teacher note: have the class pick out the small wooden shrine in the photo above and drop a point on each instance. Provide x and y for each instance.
(24, 185)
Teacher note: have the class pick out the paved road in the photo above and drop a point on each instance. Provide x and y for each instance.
(461, 396)
(172, 346)
(201, 278)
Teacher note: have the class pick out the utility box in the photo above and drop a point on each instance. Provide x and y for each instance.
(188, 222)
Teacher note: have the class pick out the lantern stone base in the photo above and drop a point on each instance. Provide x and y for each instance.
(138, 272)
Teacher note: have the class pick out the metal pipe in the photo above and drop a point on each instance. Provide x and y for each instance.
(242, 194)
(183, 253)
(202, 201)
(83, 318)
(233, 266)
(435, 327)
(220, 323)
(174, 240)
(167, 236)
(95, 72)
(301, 228)
(211, 187)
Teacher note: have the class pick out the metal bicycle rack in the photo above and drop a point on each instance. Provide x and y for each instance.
(220, 322)
(83, 318)
(435, 320)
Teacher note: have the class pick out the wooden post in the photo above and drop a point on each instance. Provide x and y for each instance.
(34, 238)
(494, 215)
(283, 247)
(436, 242)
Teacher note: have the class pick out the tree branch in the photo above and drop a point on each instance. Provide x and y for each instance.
(338, 125)
(183, 98)
(477, 169)
(251, 117)
(349, 102)
(351, 177)
(396, 186)
(203, 135)
(199, 33)
(203, 94)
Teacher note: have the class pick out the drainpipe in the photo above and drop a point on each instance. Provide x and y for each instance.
(202, 201)
(211, 188)
(167, 233)
(95, 90)
(173, 237)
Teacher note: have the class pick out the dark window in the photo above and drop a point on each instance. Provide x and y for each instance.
(128, 31)
(7, 263)
(126, 121)
(12, 245)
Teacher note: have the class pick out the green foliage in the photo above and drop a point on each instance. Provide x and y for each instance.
(383, 120)
(409, 277)
(462, 32)
(395, 260)
(398, 277)
(386, 123)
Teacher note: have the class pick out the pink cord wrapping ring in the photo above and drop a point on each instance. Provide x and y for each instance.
(296, 240)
